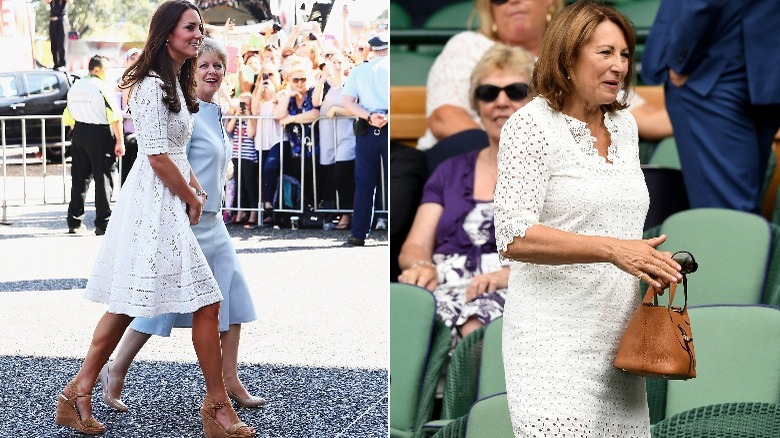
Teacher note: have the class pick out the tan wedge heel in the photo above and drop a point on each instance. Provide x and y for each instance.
(68, 413)
(213, 429)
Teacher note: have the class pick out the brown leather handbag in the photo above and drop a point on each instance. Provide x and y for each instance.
(658, 341)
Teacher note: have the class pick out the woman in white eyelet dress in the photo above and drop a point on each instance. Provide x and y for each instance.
(167, 272)
(570, 202)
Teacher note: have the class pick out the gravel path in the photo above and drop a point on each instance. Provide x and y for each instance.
(318, 352)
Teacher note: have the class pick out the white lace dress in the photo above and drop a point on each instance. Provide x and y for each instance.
(562, 324)
(150, 262)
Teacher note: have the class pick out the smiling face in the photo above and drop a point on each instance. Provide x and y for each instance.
(297, 81)
(520, 21)
(494, 114)
(209, 72)
(184, 40)
(600, 67)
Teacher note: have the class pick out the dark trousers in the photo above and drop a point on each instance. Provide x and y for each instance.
(724, 143)
(345, 184)
(92, 154)
(371, 153)
(57, 39)
(408, 172)
(272, 166)
(131, 153)
(247, 186)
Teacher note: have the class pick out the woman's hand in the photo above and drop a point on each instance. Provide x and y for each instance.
(487, 283)
(421, 274)
(641, 259)
(195, 208)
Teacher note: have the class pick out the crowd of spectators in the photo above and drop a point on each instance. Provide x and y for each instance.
(293, 141)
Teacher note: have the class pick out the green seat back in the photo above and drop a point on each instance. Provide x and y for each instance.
(732, 249)
(460, 387)
(489, 417)
(665, 154)
(410, 68)
(734, 420)
(453, 16)
(412, 313)
(399, 18)
(737, 358)
(640, 12)
(491, 372)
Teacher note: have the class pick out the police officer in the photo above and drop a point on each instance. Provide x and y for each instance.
(96, 142)
(369, 85)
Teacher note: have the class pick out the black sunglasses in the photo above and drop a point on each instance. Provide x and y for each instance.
(296, 80)
(267, 75)
(686, 262)
(498, 2)
(489, 93)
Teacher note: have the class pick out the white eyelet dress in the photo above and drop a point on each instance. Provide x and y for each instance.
(150, 262)
(562, 324)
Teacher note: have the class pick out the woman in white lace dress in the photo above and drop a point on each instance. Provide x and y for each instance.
(150, 262)
(570, 204)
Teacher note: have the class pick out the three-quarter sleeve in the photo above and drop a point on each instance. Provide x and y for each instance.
(150, 116)
(523, 177)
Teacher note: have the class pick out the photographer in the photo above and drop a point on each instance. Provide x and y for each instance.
(245, 161)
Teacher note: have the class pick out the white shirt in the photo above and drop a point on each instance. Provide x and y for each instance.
(87, 101)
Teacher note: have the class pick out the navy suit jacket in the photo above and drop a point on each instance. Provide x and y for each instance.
(701, 38)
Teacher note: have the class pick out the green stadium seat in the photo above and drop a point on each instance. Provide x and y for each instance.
(734, 420)
(453, 16)
(640, 12)
(737, 358)
(732, 249)
(418, 350)
(665, 154)
(409, 68)
(399, 18)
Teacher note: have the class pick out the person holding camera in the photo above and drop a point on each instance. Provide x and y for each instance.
(368, 83)
(245, 160)
(268, 135)
(336, 138)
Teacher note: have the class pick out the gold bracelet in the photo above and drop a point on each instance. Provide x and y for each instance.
(423, 262)
(200, 192)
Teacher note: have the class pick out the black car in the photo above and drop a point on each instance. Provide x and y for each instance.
(35, 93)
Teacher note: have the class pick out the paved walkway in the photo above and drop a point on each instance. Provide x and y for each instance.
(318, 353)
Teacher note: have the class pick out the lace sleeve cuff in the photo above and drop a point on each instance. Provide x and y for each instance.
(507, 233)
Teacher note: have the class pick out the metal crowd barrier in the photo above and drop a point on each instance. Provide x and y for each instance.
(64, 143)
(306, 143)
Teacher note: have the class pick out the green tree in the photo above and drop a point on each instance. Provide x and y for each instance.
(114, 20)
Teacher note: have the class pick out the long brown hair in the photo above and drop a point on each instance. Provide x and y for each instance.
(155, 57)
(568, 32)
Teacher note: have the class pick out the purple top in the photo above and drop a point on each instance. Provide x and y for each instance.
(452, 187)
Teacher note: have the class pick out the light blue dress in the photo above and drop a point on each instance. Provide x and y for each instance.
(208, 152)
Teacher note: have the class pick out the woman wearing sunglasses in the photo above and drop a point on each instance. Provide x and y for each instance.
(571, 202)
(513, 22)
(451, 248)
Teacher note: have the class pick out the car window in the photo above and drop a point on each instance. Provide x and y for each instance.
(8, 86)
(42, 84)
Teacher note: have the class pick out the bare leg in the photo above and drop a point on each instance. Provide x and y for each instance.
(205, 338)
(230, 341)
(132, 342)
(472, 324)
(107, 334)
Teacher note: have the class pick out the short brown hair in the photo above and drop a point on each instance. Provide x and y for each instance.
(568, 32)
(500, 57)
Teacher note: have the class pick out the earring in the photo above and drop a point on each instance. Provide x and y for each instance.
(549, 17)
(494, 28)
(166, 42)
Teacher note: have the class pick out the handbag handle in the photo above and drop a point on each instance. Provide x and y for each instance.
(651, 296)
